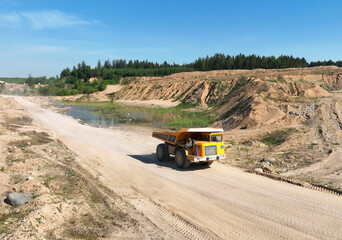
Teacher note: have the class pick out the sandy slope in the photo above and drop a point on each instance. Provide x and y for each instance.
(200, 203)
(149, 103)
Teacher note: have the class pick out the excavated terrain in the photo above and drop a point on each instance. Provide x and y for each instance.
(292, 116)
(241, 98)
(285, 124)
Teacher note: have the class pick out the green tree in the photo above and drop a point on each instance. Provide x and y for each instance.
(30, 81)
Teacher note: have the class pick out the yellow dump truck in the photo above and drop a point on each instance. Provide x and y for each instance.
(204, 145)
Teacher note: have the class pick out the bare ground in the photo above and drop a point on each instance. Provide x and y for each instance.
(149, 103)
(199, 203)
(310, 151)
(68, 203)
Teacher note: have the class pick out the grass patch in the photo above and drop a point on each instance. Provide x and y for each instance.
(126, 81)
(329, 88)
(312, 145)
(276, 138)
(94, 198)
(302, 80)
(36, 138)
(95, 224)
(47, 181)
(24, 120)
(244, 149)
(11, 159)
(281, 79)
(12, 216)
(87, 227)
(16, 80)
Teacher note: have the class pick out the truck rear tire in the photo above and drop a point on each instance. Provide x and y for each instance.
(162, 153)
(181, 159)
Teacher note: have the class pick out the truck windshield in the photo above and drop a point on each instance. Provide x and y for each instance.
(216, 138)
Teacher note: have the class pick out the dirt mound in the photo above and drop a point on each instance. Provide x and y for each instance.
(102, 96)
(15, 89)
(241, 98)
(316, 91)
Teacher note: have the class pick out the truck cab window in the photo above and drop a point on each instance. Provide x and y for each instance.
(216, 138)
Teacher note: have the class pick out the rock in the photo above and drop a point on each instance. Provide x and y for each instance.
(29, 178)
(267, 169)
(294, 113)
(268, 159)
(18, 199)
(247, 143)
(265, 166)
(28, 143)
(11, 149)
(258, 170)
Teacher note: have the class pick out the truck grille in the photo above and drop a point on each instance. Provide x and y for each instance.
(210, 150)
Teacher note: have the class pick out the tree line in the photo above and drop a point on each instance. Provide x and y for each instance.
(326, 63)
(221, 61)
(85, 79)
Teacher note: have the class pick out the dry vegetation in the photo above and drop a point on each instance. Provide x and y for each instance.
(68, 202)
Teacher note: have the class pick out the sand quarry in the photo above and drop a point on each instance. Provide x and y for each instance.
(90, 183)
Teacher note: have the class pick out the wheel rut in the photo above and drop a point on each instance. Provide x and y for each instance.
(185, 227)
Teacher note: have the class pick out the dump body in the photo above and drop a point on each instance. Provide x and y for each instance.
(199, 144)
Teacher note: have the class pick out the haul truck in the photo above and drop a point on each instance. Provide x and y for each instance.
(204, 145)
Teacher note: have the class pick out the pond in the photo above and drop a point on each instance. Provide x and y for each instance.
(109, 114)
(100, 117)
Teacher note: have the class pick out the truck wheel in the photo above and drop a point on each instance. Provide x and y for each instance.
(181, 159)
(161, 152)
(207, 163)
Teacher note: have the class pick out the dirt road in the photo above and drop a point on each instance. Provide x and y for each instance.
(199, 203)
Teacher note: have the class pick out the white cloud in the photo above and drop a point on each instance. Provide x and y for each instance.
(10, 20)
(52, 19)
(39, 20)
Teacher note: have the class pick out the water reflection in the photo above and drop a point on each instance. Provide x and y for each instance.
(98, 117)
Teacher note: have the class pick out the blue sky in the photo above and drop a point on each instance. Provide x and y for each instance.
(43, 37)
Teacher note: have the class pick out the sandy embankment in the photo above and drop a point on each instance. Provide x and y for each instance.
(67, 201)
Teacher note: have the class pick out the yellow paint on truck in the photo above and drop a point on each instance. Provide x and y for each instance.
(203, 145)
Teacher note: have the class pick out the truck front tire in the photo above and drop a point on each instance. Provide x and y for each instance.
(162, 153)
(181, 159)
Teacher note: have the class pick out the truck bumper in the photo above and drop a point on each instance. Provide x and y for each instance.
(209, 158)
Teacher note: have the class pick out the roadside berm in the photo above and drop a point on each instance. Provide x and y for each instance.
(46, 194)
